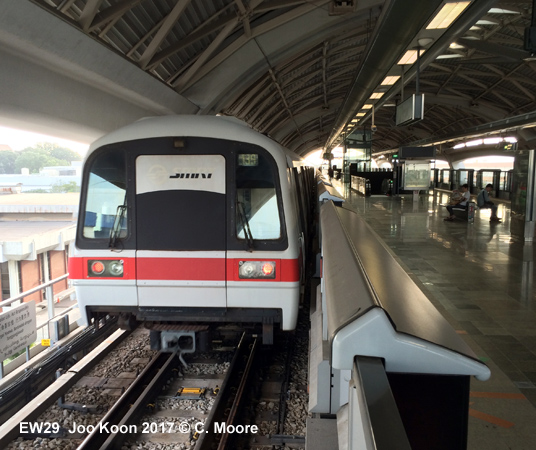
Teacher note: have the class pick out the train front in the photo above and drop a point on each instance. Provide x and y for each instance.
(184, 227)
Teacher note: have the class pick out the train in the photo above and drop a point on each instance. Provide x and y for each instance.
(191, 220)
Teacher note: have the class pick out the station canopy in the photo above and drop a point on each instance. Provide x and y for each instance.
(308, 72)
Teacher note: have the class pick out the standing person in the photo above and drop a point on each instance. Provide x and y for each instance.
(330, 173)
(484, 202)
(462, 203)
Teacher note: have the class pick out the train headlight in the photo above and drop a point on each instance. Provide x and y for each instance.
(107, 268)
(267, 269)
(256, 270)
(116, 268)
(97, 268)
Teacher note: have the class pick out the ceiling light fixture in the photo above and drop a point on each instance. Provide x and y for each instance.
(377, 95)
(448, 14)
(502, 11)
(449, 56)
(388, 81)
(409, 57)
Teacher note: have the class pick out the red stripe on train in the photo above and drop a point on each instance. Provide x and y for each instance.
(207, 269)
(184, 269)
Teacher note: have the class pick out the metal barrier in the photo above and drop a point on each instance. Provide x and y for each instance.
(361, 185)
(326, 191)
(49, 294)
(372, 318)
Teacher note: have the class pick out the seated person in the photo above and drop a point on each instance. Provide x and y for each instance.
(461, 202)
(484, 202)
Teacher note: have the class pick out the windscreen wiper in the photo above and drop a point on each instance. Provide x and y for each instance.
(116, 229)
(245, 225)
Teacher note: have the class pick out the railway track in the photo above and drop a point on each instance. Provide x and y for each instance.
(42, 373)
(222, 421)
(169, 406)
(121, 420)
(74, 397)
(213, 403)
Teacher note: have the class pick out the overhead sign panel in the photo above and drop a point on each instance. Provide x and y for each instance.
(417, 152)
(410, 110)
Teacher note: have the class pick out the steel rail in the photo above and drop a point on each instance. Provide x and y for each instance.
(239, 394)
(10, 429)
(231, 391)
(129, 407)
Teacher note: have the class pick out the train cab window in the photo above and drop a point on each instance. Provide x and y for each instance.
(257, 209)
(105, 206)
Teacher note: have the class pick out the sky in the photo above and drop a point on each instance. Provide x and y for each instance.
(19, 139)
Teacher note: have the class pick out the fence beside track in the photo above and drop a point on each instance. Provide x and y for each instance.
(31, 411)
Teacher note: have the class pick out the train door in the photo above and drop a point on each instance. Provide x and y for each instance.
(181, 230)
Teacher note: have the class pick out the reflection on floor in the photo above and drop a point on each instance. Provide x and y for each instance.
(482, 281)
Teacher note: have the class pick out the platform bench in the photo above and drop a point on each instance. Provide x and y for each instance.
(467, 214)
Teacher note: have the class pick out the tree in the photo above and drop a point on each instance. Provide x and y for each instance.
(71, 186)
(31, 160)
(54, 150)
(44, 154)
(65, 154)
(7, 161)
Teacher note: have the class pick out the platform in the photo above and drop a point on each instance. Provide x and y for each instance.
(482, 282)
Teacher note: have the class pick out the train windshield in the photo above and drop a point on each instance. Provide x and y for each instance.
(257, 209)
(106, 197)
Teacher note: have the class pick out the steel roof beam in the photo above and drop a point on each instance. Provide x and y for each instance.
(167, 25)
(282, 95)
(111, 14)
(262, 91)
(205, 56)
(66, 5)
(257, 31)
(276, 4)
(88, 13)
(508, 53)
(244, 17)
(207, 27)
(199, 33)
(146, 36)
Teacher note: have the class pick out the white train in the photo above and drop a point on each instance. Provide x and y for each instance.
(190, 219)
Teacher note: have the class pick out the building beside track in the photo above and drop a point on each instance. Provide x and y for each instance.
(36, 231)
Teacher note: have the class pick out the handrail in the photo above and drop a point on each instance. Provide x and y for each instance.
(10, 300)
(50, 305)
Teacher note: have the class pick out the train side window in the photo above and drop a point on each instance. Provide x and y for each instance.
(257, 209)
(106, 196)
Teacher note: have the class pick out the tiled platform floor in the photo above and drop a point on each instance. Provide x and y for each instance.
(482, 282)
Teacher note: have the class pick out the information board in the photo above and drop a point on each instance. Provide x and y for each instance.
(416, 176)
(17, 329)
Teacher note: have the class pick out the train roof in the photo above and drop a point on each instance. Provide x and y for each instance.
(224, 127)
